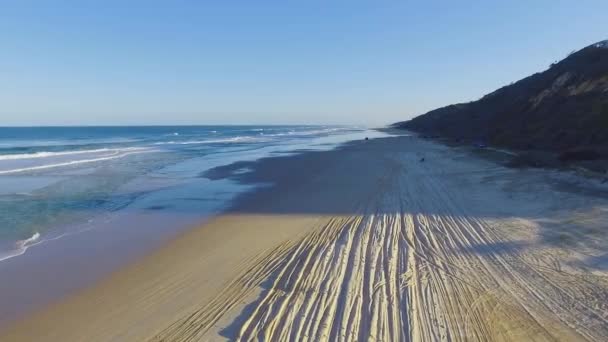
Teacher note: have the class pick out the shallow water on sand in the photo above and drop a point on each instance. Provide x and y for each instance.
(76, 203)
(54, 180)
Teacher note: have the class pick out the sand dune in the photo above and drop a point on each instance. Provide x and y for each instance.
(374, 245)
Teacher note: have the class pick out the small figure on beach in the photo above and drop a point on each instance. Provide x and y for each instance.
(366, 138)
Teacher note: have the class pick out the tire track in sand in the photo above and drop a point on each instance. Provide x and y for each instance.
(405, 268)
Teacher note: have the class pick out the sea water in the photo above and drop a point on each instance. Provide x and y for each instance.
(60, 181)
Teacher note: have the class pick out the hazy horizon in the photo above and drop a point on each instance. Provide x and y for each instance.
(270, 62)
(195, 125)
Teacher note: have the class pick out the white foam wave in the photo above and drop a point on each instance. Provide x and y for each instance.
(261, 136)
(115, 154)
(79, 142)
(21, 246)
(56, 154)
(309, 133)
(212, 141)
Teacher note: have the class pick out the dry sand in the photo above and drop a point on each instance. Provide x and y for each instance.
(366, 243)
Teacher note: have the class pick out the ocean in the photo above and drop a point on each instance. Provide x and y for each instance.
(60, 181)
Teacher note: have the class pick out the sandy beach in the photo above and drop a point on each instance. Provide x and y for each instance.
(365, 242)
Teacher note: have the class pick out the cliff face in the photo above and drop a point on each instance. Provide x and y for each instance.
(561, 108)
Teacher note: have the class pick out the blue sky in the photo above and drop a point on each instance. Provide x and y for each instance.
(261, 62)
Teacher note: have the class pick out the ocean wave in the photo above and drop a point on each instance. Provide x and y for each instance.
(310, 132)
(238, 139)
(260, 136)
(54, 143)
(21, 247)
(115, 154)
(57, 154)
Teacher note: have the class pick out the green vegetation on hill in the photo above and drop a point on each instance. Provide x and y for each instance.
(564, 108)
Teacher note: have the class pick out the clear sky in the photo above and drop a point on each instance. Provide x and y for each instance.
(261, 62)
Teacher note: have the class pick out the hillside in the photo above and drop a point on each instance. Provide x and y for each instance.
(562, 108)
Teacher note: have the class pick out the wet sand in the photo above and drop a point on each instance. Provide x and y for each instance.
(365, 242)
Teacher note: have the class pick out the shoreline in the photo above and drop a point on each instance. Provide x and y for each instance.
(218, 276)
(79, 252)
(75, 257)
(240, 172)
(198, 142)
